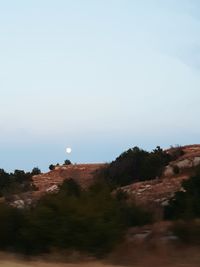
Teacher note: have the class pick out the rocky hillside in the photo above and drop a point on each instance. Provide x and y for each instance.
(155, 193)
(81, 173)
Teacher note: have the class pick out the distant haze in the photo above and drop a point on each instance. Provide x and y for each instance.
(98, 75)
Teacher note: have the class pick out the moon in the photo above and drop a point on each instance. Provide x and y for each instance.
(68, 150)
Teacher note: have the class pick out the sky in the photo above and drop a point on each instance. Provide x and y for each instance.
(99, 76)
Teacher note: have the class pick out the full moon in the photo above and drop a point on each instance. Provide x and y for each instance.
(68, 150)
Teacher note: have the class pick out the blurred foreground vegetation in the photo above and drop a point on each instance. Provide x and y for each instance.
(92, 221)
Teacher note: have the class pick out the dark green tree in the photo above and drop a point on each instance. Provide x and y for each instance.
(35, 171)
(135, 165)
(51, 167)
(185, 204)
(67, 162)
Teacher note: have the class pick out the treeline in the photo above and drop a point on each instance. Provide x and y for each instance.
(17, 182)
(91, 221)
(138, 165)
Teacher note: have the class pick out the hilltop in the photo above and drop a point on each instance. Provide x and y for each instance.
(81, 173)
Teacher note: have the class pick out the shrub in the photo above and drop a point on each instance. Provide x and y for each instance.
(176, 152)
(51, 167)
(35, 171)
(67, 162)
(176, 169)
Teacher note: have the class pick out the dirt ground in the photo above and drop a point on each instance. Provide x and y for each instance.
(95, 264)
(159, 257)
(42, 264)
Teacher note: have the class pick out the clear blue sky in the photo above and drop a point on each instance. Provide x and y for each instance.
(100, 76)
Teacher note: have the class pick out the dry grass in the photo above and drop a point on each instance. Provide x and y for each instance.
(11, 263)
(161, 256)
(156, 255)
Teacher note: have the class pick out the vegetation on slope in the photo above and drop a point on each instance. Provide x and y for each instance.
(184, 208)
(185, 204)
(92, 221)
(136, 165)
(17, 182)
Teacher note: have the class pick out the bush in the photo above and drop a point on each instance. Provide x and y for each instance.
(36, 171)
(176, 169)
(176, 152)
(51, 167)
(67, 162)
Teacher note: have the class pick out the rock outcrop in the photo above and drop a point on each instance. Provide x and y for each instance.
(189, 160)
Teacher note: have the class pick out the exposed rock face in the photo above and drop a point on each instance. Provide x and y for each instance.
(157, 191)
(53, 188)
(20, 201)
(19, 204)
(190, 159)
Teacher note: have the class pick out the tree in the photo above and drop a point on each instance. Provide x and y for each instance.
(135, 165)
(185, 204)
(51, 167)
(67, 162)
(36, 171)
